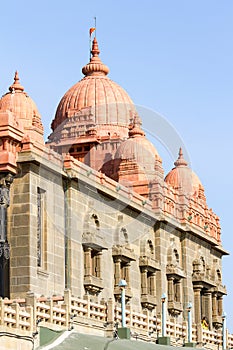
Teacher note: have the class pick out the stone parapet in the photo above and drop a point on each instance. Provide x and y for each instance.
(58, 312)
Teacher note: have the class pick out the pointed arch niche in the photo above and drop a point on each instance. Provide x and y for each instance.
(93, 246)
(175, 275)
(122, 255)
(148, 267)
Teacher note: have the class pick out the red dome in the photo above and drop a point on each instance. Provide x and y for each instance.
(21, 105)
(183, 177)
(108, 102)
(137, 148)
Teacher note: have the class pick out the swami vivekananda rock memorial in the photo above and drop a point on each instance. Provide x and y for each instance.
(99, 248)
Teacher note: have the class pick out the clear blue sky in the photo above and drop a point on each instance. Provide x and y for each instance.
(173, 57)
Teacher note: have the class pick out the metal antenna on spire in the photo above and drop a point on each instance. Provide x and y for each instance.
(95, 26)
(91, 30)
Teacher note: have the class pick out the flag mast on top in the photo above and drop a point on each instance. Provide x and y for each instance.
(91, 30)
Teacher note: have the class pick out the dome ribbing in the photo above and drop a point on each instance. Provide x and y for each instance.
(106, 100)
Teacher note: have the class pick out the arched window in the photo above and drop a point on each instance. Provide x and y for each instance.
(150, 246)
(96, 221)
(203, 263)
(219, 276)
(176, 256)
(124, 234)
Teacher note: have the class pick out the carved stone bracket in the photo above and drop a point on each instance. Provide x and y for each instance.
(93, 285)
(4, 254)
(125, 253)
(5, 250)
(6, 180)
(150, 263)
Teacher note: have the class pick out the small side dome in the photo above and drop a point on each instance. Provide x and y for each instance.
(138, 149)
(182, 177)
(22, 106)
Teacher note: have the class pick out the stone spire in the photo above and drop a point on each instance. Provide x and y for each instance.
(95, 48)
(16, 86)
(135, 127)
(95, 66)
(180, 161)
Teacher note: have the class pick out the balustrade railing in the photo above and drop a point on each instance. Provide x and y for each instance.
(62, 311)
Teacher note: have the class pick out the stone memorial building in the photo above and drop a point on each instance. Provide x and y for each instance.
(91, 206)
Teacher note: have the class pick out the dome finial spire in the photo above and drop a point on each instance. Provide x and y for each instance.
(95, 48)
(16, 78)
(180, 153)
(180, 161)
(16, 86)
(135, 127)
(95, 66)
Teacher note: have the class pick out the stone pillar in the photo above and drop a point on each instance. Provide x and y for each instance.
(178, 291)
(117, 267)
(92, 155)
(29, 309)
(127, 271)
(147, 313)
(5, 182)
(170, 289)
(87, 262)
(208, 297)
(67, 209)
(87, 297)
(49, 303)
(98, 264)
(220, 306)
(153, 284)
(67, 300)
(31, 301)
(214, 305)
(15, 306)
(110, 318)
(144, 285)
(2, 311)
(110, 310)
(197, 304)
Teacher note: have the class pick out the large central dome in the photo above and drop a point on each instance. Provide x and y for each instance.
(105, 100)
